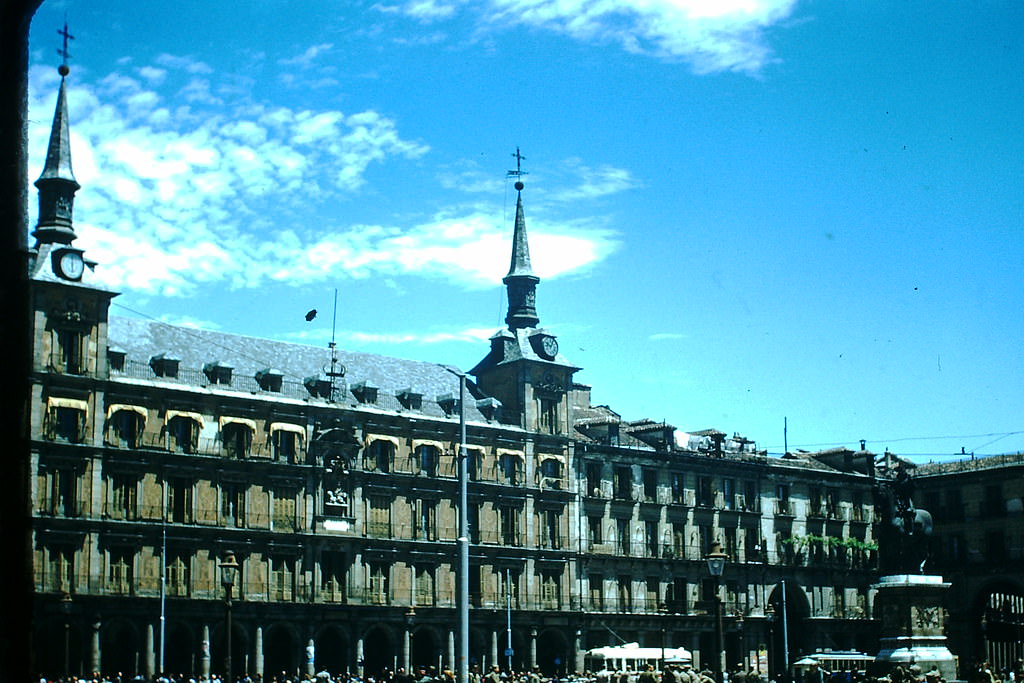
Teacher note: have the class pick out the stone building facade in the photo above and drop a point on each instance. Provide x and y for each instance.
(978, 546)
(331, 476)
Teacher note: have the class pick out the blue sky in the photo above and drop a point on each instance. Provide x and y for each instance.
(743, 212)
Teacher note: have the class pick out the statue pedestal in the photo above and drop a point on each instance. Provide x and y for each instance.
(913, 623)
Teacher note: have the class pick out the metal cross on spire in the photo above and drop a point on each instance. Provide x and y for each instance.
(63, 51)
(519, 172)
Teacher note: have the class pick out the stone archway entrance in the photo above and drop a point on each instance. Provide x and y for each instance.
(788, 637)
(553, 655)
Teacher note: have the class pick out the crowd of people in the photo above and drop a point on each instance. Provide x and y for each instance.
(981, 672)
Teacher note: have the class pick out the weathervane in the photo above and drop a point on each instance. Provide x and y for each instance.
(63, 70)
(519, 172)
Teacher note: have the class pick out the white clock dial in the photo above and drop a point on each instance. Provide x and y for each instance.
(71, 265)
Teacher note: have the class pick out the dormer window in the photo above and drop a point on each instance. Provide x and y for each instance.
(269, 379)
(318, 386)
(489, 407)
(410, 399)
(449, 404)
(365, 392)
(164, 365)
(116, 358)
(217, 372)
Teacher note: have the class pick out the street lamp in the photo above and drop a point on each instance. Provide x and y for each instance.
(716, 565)
(65, 608)
(462, 671)
(228, 576)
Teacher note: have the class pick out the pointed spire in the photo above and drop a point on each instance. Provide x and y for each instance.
(57, 184)
(521, 282)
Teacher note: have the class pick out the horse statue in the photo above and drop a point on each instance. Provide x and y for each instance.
(905, 533)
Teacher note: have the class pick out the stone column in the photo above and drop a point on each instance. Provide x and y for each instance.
(533, 648)
(359, 656)
(494, 648)
(94, 647)
(150, 655)
(204, 653)
(310, 657)
(451, 650)
(407, 648)
(579, 651)
(258, 658)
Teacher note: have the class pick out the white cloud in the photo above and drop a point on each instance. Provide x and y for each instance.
(308, 56)
(712, 35)
(171, 201)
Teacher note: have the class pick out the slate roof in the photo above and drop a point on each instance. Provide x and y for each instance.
(142, 339)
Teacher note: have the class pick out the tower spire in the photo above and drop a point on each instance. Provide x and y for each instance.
(521, 282)
(57, 184)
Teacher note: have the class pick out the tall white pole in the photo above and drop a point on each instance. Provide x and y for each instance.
(163, 584)
(463, 668)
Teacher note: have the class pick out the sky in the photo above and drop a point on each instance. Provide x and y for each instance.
(798, 220)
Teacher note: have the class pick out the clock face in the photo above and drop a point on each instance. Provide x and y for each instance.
(71, 265)
(550, 347)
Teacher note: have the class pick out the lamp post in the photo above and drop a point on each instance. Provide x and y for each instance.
(228, 576)
(462, 671)
(65, 608)
(716, 565)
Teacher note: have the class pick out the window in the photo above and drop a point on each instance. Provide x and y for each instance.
(119, 571)
(426, 458)
(549, 416)
(63, 498)
(237, 438)
(379, 455)
(123, 496)
(817, 507)
(705, 537)
(731, 548)
(622, 527)
(333, 570)
(177, 575)
(125, 427)
(550, 529)
(838, 602)
(551, 473)
(66, 420)
(593, 478)
(424, 520)
(594, 530)
(782, 500)
(377, 584)
(424, 589)
(625, 594)
(595, 592)
(511, 468)
(508, 587)
(61, 570)
(623, 482)
(651, 537)
(679, 539)
(379, 516)
(678, 487)
(651, 601)
(285, 518)
(474, 458)
(282, 578)
(650, 484)
(183, 434)
(750, 496)
(233, 504)
(729, 494)
(676, 599)
(285, 444)
(508, 524)
(70, 356)
(705, 492)
(473, 522)
(550, 591)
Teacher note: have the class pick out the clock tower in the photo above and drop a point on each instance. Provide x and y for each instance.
(525, 369)
(69, 309)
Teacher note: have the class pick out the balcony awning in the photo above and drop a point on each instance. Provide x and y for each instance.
(227, 420)
(287, 427)
(370, 438)
(72, 403)
(118, 407)
(416, 443)
(196, 417)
